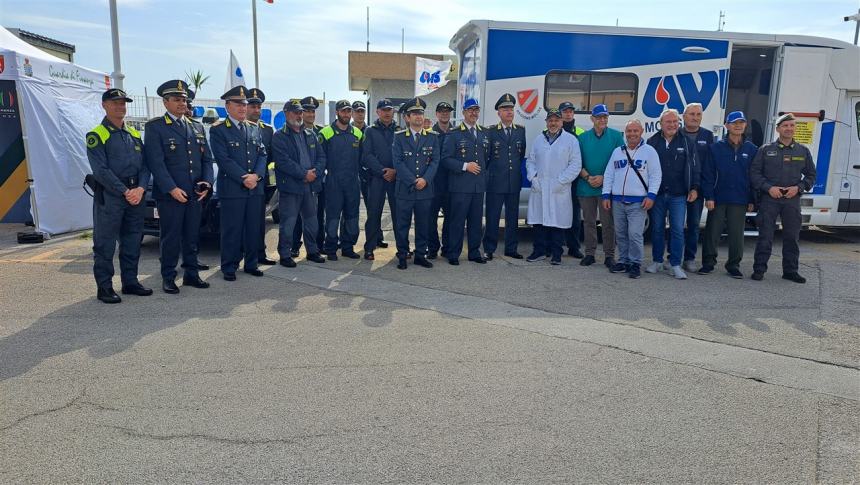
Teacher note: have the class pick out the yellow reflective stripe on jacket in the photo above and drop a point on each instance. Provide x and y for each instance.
(132, 131)
(327, 132)
(273, 179)
(102, 132)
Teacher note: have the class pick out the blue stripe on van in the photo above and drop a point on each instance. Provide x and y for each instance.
(515, 53)
(822, 165)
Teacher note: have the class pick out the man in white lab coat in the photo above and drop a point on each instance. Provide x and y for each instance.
(553, 164)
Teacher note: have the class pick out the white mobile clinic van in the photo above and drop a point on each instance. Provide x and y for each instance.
(639, 72)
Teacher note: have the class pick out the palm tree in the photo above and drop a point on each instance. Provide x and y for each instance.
(196, 79)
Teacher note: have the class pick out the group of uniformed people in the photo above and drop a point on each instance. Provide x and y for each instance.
(470, 173)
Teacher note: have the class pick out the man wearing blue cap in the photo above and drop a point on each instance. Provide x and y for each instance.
(299, 164)
(571, 236)
(309, 116)
(597, 145)
(465, 155)
(728, 194)
(180, 160)
(256, 98)
(377, 161)
(241, 158)
(115, 153)
(415, 155)
(504, 181)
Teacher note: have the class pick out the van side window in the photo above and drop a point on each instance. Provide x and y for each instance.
(857, 113)
(617, 90)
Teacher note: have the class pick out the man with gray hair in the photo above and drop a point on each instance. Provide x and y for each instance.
(700, 140)
(679, 186)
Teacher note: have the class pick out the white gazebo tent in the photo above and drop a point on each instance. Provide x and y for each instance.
(59, 102)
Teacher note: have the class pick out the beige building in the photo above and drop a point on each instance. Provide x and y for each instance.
(54, 47)
(392, 75)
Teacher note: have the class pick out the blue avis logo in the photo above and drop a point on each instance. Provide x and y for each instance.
(678, 90)
(430, 78)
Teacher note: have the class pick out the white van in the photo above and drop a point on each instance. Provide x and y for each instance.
(639, 72)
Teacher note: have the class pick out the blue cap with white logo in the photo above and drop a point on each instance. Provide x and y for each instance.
(471, 103)
(565, 105)
(735, 116)
(599, 110)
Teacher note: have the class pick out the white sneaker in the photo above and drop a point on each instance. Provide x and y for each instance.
(689, 265)
(653, 267)
(678, 273)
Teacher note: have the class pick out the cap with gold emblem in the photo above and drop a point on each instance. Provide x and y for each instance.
(359, 106)
(786, 117)
(310, 103)
(113, 94)
(255, 96)
(293, 106)
(415, 105)
(175, 87)
(343, 104)
(444, 106)
(553, 112)
(506, 101)
(237, 94)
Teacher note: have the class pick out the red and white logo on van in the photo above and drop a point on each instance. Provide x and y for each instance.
(2, 64)
(527, 103)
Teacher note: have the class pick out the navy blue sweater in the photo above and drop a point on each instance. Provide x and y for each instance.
(725, 174)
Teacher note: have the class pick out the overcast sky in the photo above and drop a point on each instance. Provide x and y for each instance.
(303, 45)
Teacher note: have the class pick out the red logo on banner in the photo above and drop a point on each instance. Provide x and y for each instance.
(528, 100)
(107, 82)
(2, 64)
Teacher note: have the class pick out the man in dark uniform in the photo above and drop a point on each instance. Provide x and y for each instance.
(781, 172)
(255, 110)
(342, 145)
(376, 161)
(115, 153)
(181, 164)
(241, 158)
(440, 188)
(465, 156)
(571, 235)
(309, 116)
(508, 145)
(299, 164)
(415, 155)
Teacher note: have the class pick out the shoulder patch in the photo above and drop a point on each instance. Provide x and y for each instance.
(92, 140)
(218, 123)
(153, 120)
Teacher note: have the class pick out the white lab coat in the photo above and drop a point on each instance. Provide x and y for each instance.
(551, 169)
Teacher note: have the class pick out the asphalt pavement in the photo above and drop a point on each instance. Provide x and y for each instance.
(357, 372)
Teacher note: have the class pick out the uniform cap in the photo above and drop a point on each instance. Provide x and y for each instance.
(343, 104)
(553, 112)
(735, 116)
(310, 103)
(175, 87)
(471, 103)
(599, 110)
(384, 103)
(293, 106)
(414, 105)
(566, 105)
(237, 94)
(784, 118)
(506, 101)
(359, 105)
(256, 96)
(112, 94)
(444, 106)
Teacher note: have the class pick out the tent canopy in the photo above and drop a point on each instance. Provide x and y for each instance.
(58, 102)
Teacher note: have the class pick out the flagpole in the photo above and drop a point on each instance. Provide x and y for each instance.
(117, 74)
(256, 58)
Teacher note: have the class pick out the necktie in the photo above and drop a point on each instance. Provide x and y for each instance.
(242, 129)
(474, 134)
(508, 132)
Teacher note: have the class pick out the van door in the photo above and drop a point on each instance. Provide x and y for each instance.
(851, 205)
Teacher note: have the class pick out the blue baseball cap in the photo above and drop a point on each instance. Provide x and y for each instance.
(384, 103)
(471, 103)
(566, 105)
(599, 110)
(735, 116)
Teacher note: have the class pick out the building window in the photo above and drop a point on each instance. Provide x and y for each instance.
(617, 90)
